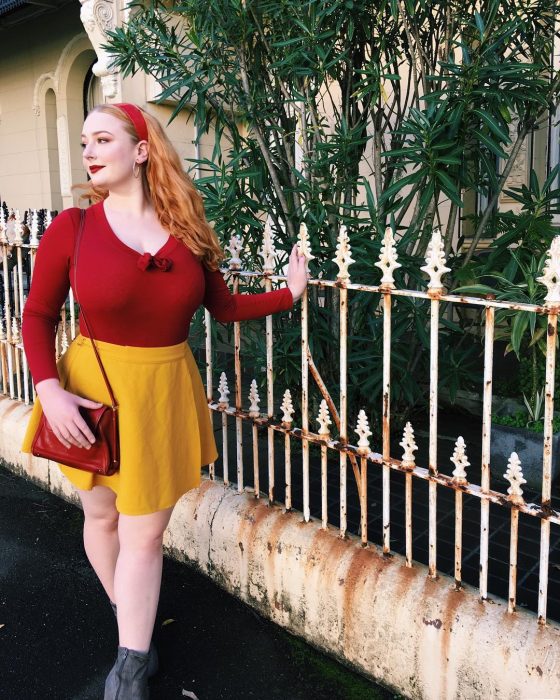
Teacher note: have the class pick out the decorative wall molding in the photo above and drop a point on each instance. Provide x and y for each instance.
(43, 83)
(98, 16)
(110, 86)
(73, 48)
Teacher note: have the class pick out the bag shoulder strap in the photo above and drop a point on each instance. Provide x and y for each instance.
(114, 404)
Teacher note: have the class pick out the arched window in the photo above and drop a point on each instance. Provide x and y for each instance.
(93, 94)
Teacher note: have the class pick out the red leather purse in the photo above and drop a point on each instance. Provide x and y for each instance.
(103, 457)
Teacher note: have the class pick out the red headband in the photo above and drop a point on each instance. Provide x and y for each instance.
(136, 117)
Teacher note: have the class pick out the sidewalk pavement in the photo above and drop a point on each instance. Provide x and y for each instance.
(58, 636)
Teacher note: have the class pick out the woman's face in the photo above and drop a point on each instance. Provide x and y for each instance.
(109, 152)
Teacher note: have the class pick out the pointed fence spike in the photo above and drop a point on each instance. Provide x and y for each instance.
(409, 446)
(303, 242)
(343, 254)
(287, 409)
(435, 261)
(514, 475)
(18, 229)
(364, 432)
(551, 273)
(268, 252)
(224, 391)
(388, 262)
(15, 331)
(235, 248)
(3, 226)
(324, 420)
(64, 342)
(254, 410)
(460, 461)
(34, 229)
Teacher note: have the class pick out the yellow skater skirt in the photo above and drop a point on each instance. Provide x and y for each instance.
(165, 429)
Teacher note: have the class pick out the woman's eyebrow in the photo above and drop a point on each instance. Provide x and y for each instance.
(103, 131)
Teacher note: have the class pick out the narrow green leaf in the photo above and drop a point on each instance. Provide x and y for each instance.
(398, 186)
(518, 330)
(449, 187)
(482, 289)
(449, 160)
(490, 144)
(479, 24)
(493, 125)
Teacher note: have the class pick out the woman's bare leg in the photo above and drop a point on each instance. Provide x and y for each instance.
(138, 576)
(101, 538)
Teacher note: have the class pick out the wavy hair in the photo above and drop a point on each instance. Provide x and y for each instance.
(176, 200)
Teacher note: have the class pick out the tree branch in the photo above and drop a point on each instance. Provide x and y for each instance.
(264, 148)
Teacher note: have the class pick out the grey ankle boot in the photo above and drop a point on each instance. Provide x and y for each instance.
(128, 679)
(153, 659)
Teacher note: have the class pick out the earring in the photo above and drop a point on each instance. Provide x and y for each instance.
(136, 169)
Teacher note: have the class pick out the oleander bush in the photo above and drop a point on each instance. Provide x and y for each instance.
(365, 114)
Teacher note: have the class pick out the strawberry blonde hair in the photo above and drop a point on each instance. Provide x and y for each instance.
(176, 200)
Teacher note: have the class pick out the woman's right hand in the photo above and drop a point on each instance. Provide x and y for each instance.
(297, 273)
(61, 409)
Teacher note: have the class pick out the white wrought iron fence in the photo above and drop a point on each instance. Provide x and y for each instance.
(16, 383)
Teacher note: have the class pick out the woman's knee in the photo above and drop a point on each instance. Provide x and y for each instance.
(144, 531)
(99, 506)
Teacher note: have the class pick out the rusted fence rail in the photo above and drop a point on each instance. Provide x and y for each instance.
(17, 259)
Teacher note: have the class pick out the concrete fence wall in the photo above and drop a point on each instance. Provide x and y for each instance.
(394, 624)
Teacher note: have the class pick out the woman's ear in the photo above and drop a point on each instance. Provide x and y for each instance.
(142, 151)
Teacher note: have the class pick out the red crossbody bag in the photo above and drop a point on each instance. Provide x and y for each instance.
(103, 457)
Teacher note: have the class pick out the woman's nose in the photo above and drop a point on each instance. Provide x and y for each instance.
(88, 151)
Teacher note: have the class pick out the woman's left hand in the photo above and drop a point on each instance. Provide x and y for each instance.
(297, 273)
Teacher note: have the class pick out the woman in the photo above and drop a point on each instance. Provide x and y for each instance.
(148, 259)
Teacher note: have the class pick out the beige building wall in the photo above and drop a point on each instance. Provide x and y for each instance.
(30, 68)
(46, 87)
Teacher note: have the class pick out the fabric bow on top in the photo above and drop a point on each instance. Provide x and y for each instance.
(146, 261)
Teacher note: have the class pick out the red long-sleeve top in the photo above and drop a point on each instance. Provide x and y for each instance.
(129, 298)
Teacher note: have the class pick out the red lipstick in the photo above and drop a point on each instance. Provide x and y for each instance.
(95, 168)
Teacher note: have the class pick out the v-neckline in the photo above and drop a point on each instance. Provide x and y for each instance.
(166, 247)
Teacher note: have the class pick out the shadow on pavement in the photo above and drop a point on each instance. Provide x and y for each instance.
(58, 635)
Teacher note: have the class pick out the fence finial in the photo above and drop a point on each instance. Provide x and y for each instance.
(460, 461)
(254, 410)
(64, 339)
(409, 446)
(235, 248)
(435, 261)
(343, 254)
(34, 229)
(224, 391)
(18, 229)
(15, 331)
(303, 243)
(388, 262)
(551, 272)
(364, 432)
(287, 409)
(324, 420)
(3, 227)
(268, 251)
(514, 475)
(7, 322)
